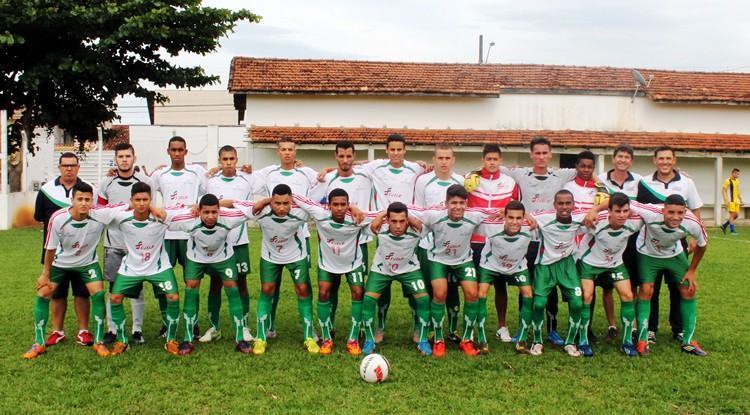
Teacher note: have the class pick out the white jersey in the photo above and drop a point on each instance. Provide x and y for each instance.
(652, 190)
(429, 191)
(558, 240)
(338, 242)
(281, 242)
(502, 252)
(116, 190)
(538, 191)
(659, 241)
(75, 241)
(239, 187)
(630, 187)
(392, 184)
(396, 255)
(603, 246)
(208, 245)
(359, 188)
(451, 243)
(144, 241)
(584, 192)
(180, 188)
(302, 181)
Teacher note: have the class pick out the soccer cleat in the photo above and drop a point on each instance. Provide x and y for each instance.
(592, 336)
(110, 338)
(186, 348)
(163, 332)
(119, 348)
(101, 349)
(172, 347)
(585, 350)
(467, 346)
(438, 350)
(259, 347)
(733, 233)
(484, 348)
(368, 347)
(211, 334)
(243, 347)
(724, 229)
(196, 331)
(571, 350)
(246, 335)
(327, 347)
(503, 334)
(379, 334)
(536, 349)
(333, 334)
(54, 338)
(35, 351)
(311, 346)
(555, 339)
(424, 348)
(694, 349)
(629, 350)
(678, 336)
(137, 337)
(84, 338)
(453, 337)
(612, 334)
(651, 337)
(271, 334)
(522, 349)
(352, 347)
(642, 347)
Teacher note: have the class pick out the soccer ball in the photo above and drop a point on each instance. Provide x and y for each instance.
(471, 182)
(374, 368)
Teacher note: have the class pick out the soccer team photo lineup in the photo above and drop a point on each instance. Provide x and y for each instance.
(453, 241)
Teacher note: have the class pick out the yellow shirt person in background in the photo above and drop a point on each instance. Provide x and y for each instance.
(732, 200)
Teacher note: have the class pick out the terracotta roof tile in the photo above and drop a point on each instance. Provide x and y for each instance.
(562, 138)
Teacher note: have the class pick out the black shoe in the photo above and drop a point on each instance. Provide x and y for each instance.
(592, 336)
(677, 336)
(724, 229)
(137, 337)
(612, 333)
(453, 337)
(196, 331)
(333, 334)
(163, 332)
(109, 338)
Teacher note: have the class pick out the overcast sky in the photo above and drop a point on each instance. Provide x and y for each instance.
(682, 35)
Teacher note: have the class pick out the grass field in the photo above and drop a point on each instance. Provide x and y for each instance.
(71, 379)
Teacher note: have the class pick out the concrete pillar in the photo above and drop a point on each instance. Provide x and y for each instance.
(719, 167)
(4, 165)
(370, 152)
(600, 159)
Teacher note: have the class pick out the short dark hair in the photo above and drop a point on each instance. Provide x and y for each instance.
(491, 148)
(443, 146)
(562, 192)
(281, 190)
(515, 205)
(344, 144)
(675, 199)
(286, 139)
(82, 186)
(177, 139)
(395, 138)
(663, 148)
(585, 155)
(397, 207)
(539, 140)
(227, 149)
(338, 192)
(735, 170)
(208, 200)
(624, 148)
(618, 199)
(456, 190)
(140, 187)
(67, 155)
(123, 147)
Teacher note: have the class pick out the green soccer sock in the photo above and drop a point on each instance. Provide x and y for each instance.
(524, 318)
(481, 319)
(162, 309)
(98, 315)
(423, 313)
(575, 304)
(453, 307)
(190, 312)
(413, 311)
(437, 315)
(642, 314)
(627, 316)
(263, 317)
(470, 318)
(384, 302)
(245, 301)
(304, 307)
(369, 306)
(585, 320)
(235, 311)
(41, 317)
(214, 309)
(537, 319)
(356, 319)
(334, 300)
(688, 312)
(173, 318)
(118, 318)
(325, 309)
(275, 305)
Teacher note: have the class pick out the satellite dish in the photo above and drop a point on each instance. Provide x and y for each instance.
(640, 81)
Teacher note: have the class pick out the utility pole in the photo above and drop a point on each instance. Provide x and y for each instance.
(481, 45)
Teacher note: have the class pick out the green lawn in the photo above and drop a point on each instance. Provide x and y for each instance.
(70, 378)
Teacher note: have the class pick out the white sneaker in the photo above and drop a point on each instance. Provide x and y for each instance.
(536, 349)
(503, 334)
(571, 350)
(379, 335)
(271, 334)
(211, 334)
(246, 336)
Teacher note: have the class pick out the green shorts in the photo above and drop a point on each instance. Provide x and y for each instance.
(355, 278)
(518, 279)
(460, 272)
(649, 267)
(226, 270)
(87, 273)
(603, 277)
(299, 270)
(242, 258)
(177, 251)
(163, 283)
(562, 273)
(411, 282)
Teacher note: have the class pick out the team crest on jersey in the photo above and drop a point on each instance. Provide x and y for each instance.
(389, 193)
(77, 245)
(175, 196)
(279, 240)
(391, 256)
(656, 244)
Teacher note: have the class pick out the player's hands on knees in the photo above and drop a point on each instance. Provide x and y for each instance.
(42, 281)
(692, 281)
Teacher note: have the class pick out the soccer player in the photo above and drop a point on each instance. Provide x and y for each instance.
(179, 184)
(489, 188)
(732, 200)
(429, 191)
(395, 260)
(503, 257)
(115, 189)
(146, 261)
(231, 184)
(281, 248)
(654, 189)
(55, 195)
(660, 250)
(70, 249)
(602, 251)
(339, 255)
(556, 267)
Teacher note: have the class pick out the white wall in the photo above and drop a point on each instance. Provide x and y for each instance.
(196, 107)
